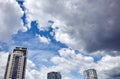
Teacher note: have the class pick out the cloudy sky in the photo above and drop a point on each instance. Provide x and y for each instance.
(68, 36)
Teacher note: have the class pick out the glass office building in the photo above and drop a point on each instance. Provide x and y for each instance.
(54, 75)
(90, 74)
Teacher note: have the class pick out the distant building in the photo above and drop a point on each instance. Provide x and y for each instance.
(90, 74)
(54, 75)
(16, 64)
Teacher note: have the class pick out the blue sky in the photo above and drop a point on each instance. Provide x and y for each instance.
(64, 36)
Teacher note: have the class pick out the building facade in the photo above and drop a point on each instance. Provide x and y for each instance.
(90, 74)
(16, 64)
(54, 75)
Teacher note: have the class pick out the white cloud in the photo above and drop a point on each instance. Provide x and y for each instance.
(30, 65)
(67, 62)
(43, 39)
(34, 13)
(64, 37)
(66, 53)
(79, 63)
(106, 66)
(72, 61)
(3, 60)
(10, 22)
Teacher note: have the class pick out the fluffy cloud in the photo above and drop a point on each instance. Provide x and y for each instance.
(72, 61)
(89, 25)
(43, 39)
(10, 21)
(68, 61)
(34, 13)
(3, 60)
(107, 67)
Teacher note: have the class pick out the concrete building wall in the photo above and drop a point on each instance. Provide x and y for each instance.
(16, 64)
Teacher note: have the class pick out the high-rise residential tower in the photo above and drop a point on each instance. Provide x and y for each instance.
(90, 74)
(16, 64)
(54, 75)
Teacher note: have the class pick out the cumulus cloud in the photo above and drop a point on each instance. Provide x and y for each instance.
(34, 13)
(3, 60)
(71, 61)
(107, 67)
(10, 21)
(43, 39)
(85, 25)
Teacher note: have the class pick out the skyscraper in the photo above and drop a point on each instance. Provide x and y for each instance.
(54, 75)
(90, 74)
(16, 64)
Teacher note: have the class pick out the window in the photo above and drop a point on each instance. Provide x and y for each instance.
(15, 67)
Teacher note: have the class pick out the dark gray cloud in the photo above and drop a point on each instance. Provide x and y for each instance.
(99, 28)
(114, 73)
(95, 23)
(91, 25)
